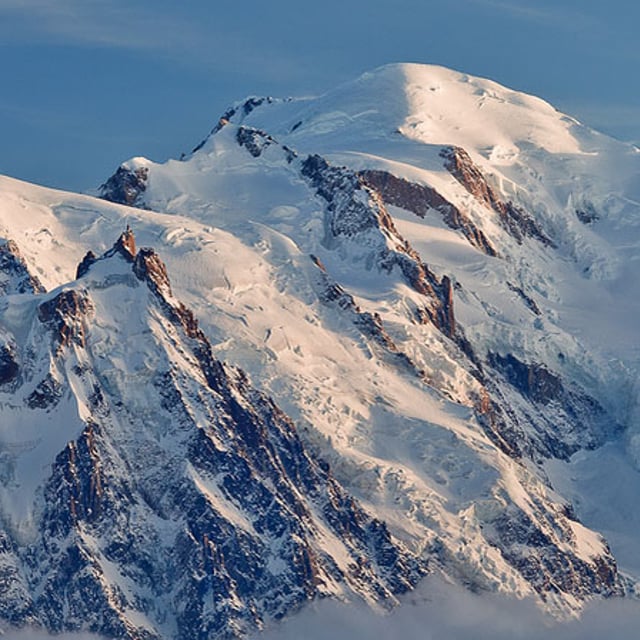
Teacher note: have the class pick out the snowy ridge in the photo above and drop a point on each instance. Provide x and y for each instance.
(412, 282)
(241, 492)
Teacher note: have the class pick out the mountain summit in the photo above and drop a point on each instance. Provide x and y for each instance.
(383, 333)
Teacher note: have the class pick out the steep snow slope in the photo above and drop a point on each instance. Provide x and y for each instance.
(412, 279)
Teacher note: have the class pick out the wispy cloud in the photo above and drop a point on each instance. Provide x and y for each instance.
(550, 15)
(160, 29)
(96, 22)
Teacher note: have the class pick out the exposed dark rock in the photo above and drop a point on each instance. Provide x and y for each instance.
(15, 276)
(254, 140)
(125, 245)
(89, 259)
(337, 185)
(534, 380)
(420, 199)
(46, 395)
(561, 419)
(587, 213)
(149, 267)
(16, 604)
(536, 554)
(369, 324)
(528, 300)
(65, 315)
(237, 112)
(126, 186)
(447, 319)
(9, 367)
(207, 504)
(503, 430)
(83, 480)
(245, 459)
(517, 222)
(354, 208)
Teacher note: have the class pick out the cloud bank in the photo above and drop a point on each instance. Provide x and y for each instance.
(442, 612)
(436, 611)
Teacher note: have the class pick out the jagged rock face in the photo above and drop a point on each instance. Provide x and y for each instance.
(254, 141)
(569, 418)
(125, 186)
(65, 315)
(84, 266)
(355, 234)
(535, 381)
(14, 273)
(420, 200)
(527, 299)
(357, 212)
(587, 213)
(148, 267)
(46, 395)
(239, 111)
(534, 552)
(194, 503)
(337, 185)
(370, 325)
(8, 361)
(514, 219)
(202, 510)
(16, 604)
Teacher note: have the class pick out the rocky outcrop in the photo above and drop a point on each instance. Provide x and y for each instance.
(370, 325)
(535, 381)
(587, 213)
(535, 551)
(356, 212)
(517, 222)
(65, 315)
(125, 245)
(46, 395)
(16, 604)
(149, 268)
(253, 140)
(527, 299)
(89, 259)
(15, 276)
(350, 213)
(235, 113)
(557, 418)
(9, 367)
(126, 186)
(420, 199)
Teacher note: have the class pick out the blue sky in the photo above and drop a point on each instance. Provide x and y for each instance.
(87, 84)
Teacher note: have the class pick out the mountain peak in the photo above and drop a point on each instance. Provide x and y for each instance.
(408, 263)
(125, 245)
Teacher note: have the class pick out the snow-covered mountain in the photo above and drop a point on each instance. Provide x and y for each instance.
(372, 335)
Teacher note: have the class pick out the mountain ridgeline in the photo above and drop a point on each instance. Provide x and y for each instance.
(357, 348)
